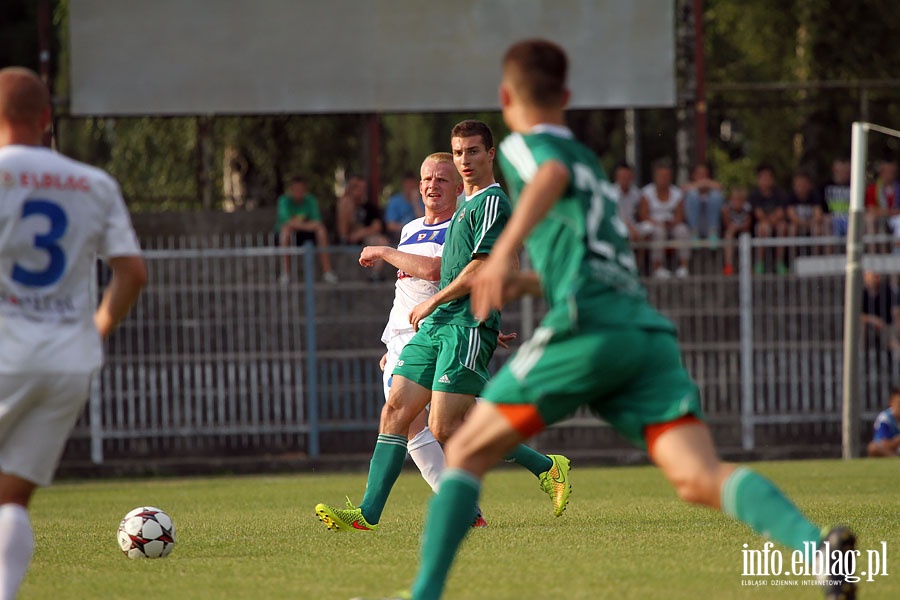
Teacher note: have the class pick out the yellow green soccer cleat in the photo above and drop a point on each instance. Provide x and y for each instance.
(349, 519)
(555, 483)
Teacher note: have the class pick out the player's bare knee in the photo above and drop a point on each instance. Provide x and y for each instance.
(442, 430)
(15, 490)
(697, 488)
(396, 416)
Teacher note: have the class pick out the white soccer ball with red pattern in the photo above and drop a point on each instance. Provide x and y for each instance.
(146, 532)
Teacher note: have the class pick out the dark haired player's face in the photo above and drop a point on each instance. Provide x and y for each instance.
(474, 163)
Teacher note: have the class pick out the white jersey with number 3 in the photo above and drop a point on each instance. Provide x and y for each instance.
(423, 240)
(56, 217)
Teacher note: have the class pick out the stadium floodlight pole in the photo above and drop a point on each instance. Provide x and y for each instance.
(852, 292)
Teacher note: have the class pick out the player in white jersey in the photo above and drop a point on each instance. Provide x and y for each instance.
(56, 216)
(418, 262)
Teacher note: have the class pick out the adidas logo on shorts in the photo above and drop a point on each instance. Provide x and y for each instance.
(444, 379)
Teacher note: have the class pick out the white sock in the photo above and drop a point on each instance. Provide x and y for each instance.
(428, 455)
(16, 548)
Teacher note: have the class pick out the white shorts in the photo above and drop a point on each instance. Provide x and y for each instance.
(394, 346)
(37, 413)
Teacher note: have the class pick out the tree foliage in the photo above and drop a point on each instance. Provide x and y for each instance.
(801, 42)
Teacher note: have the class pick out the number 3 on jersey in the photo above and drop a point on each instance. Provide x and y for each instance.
(45, 242)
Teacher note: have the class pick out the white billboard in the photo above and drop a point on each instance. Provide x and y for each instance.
(185, 57)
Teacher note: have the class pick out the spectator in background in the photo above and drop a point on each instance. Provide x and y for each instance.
(769, 205)
(299, 220)
(836, 194)
(886, 440)
(703, 203)
(880, 313)
(737, 218)
(403, 207)
(359, 221)
(805, 207)
(883, 198)
(661, 217)
(628, 197)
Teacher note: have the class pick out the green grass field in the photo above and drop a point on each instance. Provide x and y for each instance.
(625, 535)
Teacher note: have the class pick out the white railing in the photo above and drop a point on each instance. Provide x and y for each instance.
(218, 358)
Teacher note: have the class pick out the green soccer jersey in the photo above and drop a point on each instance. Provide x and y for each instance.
(288, 208)
(580, 249)
(475, 227)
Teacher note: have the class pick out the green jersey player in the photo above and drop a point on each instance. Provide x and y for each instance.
(600, 345)
(446, 361)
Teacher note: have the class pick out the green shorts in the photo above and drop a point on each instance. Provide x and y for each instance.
(448, 358)
(629, 377)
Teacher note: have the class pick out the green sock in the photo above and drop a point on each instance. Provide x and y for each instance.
(448, 521)
(529, 458)
(753, 499)
(384, 468)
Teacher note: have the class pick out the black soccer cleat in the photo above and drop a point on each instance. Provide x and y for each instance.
(837, 587)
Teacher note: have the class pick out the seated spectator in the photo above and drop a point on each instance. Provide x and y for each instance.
(805, 208)
(703, 203)
(883, 198)
(886, 440)
(737, 218)
(836, 194)
(359, 221)
(661, 217)
(403, 207)
(769, 204)
(628, 197)
(299, 220)
(880, 313)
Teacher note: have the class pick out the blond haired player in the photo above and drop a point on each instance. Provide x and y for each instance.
(56, 216)
(418, 261)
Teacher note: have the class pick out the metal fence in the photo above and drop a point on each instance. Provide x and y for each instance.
(220, 359)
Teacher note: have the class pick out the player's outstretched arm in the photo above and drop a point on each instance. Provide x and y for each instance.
(457, 288)
(423, 267)
(129, 276)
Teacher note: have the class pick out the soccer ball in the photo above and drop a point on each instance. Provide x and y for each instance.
(146, 532)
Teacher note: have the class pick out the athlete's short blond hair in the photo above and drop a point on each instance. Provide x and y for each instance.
(443, 157)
